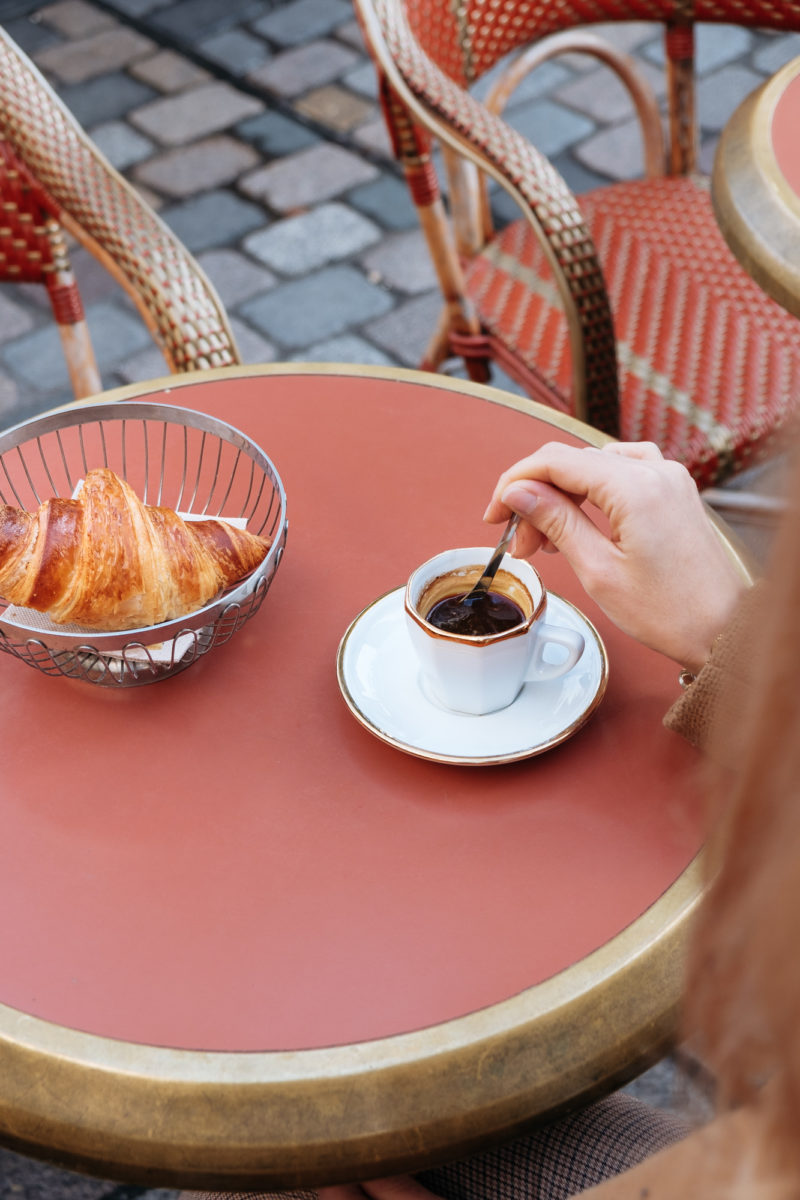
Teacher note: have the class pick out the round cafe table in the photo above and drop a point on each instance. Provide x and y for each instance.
(247, 942)
(756, 185)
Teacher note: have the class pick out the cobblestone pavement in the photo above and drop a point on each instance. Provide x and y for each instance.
(252, 126)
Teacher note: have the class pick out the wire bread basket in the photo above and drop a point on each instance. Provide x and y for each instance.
(172, 457)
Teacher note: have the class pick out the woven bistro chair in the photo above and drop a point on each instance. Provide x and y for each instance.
(54, 181)
(625, 306)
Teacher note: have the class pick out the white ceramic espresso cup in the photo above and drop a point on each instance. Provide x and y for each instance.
(482, 674)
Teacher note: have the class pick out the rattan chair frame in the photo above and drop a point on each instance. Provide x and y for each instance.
(55, 179)
(425, 96)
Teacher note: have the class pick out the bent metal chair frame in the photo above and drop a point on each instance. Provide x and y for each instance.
(624, 307)
(53, 179)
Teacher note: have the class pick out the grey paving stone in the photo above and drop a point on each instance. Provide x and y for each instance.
(214, 219)
(205, 17)
(350, 32)
(296, 71)
(122, 146)
(95, 282)
(543, 79)
(298, 245)
(308, 177)
(276, 135)
(349, 348)
(147, 364)
(404, 332)
(75, 18)
(335, 107)
(675, 1086)
(706, 152)
(770, 57)
(578, 178)
(234, 276)
(24, 1179)
(628, 35)
(253, 346)
(363, 79)
(388, 200)
(108, 97)
(14, 319)
(316, 307)
(602, 96)
(302, 20)
(31, 36)
(168, 72)
(189, 170)
(138, 8)
(38, 359)
(236, 50)
(75, 62)
(9, 415)
(719, 94)
(209, 108)
(402, 261)
(549, 126)
(374, 137)
(615, 152)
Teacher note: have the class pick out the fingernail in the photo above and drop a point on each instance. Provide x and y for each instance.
(520, 499)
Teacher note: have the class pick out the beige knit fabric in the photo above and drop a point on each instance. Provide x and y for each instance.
(720, 694)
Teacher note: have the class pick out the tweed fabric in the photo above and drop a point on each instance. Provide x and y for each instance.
(709, 365)
(565, 1157)
(557, 1161)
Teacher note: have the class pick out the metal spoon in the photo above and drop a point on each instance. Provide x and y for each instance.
(485, 581)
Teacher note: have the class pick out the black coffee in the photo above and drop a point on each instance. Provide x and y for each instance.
(485, 614)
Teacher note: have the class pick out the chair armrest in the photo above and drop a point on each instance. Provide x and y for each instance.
(106, 215)
(460, 121)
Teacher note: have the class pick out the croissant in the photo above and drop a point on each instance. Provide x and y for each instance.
(107, 561)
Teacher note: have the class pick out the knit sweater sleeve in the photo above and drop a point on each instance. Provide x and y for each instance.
(721, 689)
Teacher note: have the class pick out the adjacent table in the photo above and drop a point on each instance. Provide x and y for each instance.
(756, 185)
(246, 942)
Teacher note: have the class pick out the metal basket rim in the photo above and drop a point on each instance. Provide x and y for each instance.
(100, 641)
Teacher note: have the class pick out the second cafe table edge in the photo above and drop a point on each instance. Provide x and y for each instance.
(297, 1119)
(757, 209)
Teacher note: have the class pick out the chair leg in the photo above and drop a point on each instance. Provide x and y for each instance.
(411, 146)
(74, 333)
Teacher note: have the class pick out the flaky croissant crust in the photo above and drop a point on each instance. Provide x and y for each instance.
(108, 562)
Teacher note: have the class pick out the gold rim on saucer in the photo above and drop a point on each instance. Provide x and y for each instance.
(529, 750)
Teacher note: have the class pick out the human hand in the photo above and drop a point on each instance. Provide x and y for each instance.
(396, 1187)
(661, 573)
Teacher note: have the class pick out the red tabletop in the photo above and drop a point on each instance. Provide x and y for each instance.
(785, 126)
(226, 860)
(233, 914)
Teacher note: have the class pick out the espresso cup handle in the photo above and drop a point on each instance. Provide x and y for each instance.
(572, 641)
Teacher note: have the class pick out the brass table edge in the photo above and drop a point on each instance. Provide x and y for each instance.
(758, 212)
(287, 1118)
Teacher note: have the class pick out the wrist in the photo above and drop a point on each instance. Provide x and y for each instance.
(700, 647)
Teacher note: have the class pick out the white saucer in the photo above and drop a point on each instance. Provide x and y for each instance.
(379, 678)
